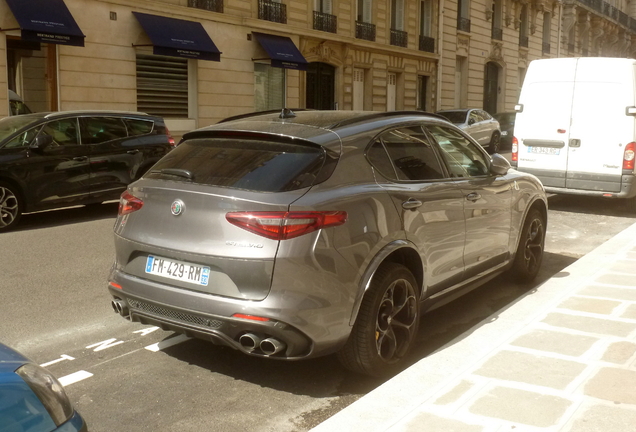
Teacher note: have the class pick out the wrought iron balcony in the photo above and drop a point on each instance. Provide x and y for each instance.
(271, 11)
(427, 44)
(210, 5)
(365, 31)
(545, 48)
(325, 22)
(497, 33)
(399, 38)
(523, 41)
(463, 24)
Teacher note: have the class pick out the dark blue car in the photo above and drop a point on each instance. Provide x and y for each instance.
(31, 399)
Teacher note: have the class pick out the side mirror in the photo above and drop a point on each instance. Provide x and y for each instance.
(41, 142)
(500, 165)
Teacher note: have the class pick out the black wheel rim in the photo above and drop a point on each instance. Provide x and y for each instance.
(8, 207)
(533, 250)
(397, 321)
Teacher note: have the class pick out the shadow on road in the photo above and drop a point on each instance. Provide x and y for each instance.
(67, 216)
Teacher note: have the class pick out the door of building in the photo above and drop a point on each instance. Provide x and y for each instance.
(320, 86)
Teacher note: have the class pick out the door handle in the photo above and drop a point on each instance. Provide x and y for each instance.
(575, 142)
(80, 158)
(133, 151)
(473, 196)
(411, 204)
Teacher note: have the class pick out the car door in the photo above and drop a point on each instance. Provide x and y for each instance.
(59, 172)
(487, 200)
(430, 203)
(113, 164)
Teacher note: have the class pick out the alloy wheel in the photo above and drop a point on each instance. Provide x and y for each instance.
(396, 321)
(9, 207)
(533, 250)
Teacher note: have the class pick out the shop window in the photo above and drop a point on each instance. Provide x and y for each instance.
(269, 87)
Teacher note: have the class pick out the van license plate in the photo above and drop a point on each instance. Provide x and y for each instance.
(544, 150)
(179, 270)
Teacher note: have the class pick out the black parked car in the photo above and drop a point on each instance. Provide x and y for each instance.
(507, 122)
(52, 160)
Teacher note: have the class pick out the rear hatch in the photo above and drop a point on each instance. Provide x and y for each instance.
(181, 234)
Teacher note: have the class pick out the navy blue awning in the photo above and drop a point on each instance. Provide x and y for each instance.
(178, 38)
(47, 21)
(282, 51)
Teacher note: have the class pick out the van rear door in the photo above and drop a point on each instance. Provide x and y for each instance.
(600, 128)
(542, 127)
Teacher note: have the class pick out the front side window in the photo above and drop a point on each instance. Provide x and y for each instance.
(463, 157)
(96, 130)
(269, 87)
(411, 153)
(63, 132)
(23, 139)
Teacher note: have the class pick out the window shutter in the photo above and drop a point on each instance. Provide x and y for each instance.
(162, 85)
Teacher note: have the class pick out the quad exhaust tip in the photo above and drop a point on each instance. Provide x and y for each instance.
(268, 346)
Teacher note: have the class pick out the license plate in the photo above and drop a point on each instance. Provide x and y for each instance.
(544, 150)
(504, 133)
(179, 270)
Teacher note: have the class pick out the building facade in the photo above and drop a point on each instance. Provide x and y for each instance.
(197, 61)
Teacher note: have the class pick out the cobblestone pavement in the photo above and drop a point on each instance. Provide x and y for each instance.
(562, 358)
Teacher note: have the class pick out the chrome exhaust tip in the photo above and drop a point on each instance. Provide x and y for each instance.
(249, 341)
(120, 307)
(271, 346)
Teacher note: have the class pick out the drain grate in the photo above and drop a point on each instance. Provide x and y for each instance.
(180, 316)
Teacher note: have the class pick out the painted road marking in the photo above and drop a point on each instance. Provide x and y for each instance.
(104, 344)
(74, 377)
(167, 343)
(62, 358)
(146, 331)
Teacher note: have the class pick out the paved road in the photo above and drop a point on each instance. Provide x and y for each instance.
(55, 308)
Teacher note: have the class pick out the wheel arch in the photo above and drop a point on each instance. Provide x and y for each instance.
(538, 204)
(400, 252)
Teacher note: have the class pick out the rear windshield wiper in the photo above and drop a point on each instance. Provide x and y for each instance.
(178, 172)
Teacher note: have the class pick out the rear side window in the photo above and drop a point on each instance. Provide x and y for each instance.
(411, 153)
(96, 130)
(138, 127)
(254, 165)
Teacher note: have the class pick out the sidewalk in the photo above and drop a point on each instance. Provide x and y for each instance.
(562, 358)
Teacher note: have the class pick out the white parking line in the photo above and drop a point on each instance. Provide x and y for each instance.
(62, 358)
(74, 377)
(167, 343)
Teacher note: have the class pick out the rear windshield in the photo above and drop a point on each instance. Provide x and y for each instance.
(253, 165)
(454, 116)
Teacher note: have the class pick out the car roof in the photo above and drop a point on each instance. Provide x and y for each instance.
(312, 125)
(56, 114)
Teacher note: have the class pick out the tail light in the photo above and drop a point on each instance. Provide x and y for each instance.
(129, 203)
(515, 149)
(285, 225)
(170, 139)
(628, 156)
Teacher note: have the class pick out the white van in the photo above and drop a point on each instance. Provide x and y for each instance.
(575, 127)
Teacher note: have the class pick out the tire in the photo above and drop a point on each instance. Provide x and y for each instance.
(10, 207)
(387, 323)
(530, 250)
(495, 143)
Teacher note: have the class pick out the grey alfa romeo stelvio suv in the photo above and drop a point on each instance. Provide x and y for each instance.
(293, 235)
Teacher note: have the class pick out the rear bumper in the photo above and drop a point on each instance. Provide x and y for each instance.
(212, 318)
(601, 185)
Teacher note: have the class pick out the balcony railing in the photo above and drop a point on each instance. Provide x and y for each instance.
(427, 44)
(271, 11)
(325, 22)
(497, 33)
(399, 38)
(365, 31)
(523, 41)
(463, 24)
(604, 8)
(545, 48)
